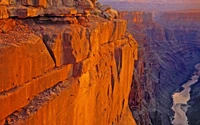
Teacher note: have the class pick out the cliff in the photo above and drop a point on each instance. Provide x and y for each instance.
(64, 69)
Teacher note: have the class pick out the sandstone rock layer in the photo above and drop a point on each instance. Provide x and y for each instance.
(63, 74)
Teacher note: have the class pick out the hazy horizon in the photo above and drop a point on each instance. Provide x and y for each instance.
(155, 1)
(153, 5)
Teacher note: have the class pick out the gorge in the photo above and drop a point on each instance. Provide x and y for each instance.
(180, 99)
(168, 51)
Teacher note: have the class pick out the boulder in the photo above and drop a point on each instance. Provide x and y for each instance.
(113, 13)
(105, 8)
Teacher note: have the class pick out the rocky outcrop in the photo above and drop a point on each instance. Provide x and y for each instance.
(33, 8)
(60, 10)
(168, 51)
(65, 73)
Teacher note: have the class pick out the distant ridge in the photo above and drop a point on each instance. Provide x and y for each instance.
(152, 6)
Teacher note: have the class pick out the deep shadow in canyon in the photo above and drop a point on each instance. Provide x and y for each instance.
(169, 47)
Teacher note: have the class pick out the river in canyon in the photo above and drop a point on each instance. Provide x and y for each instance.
(180, 99)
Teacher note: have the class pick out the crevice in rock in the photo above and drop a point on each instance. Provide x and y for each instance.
(118, 60)
(46, 39)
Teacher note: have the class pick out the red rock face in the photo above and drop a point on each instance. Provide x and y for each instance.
(28, 58)
(70, 75)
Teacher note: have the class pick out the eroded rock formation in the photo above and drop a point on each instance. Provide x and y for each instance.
(56, 71)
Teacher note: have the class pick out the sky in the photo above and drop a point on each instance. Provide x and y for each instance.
(159, 1)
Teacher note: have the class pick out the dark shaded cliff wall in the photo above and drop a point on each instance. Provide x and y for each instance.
(168, 50)
(55, 71)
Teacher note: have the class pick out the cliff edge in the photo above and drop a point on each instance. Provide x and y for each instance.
(68, 65)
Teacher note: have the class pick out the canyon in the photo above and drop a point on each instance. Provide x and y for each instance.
(169, 48)
(77, 62)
